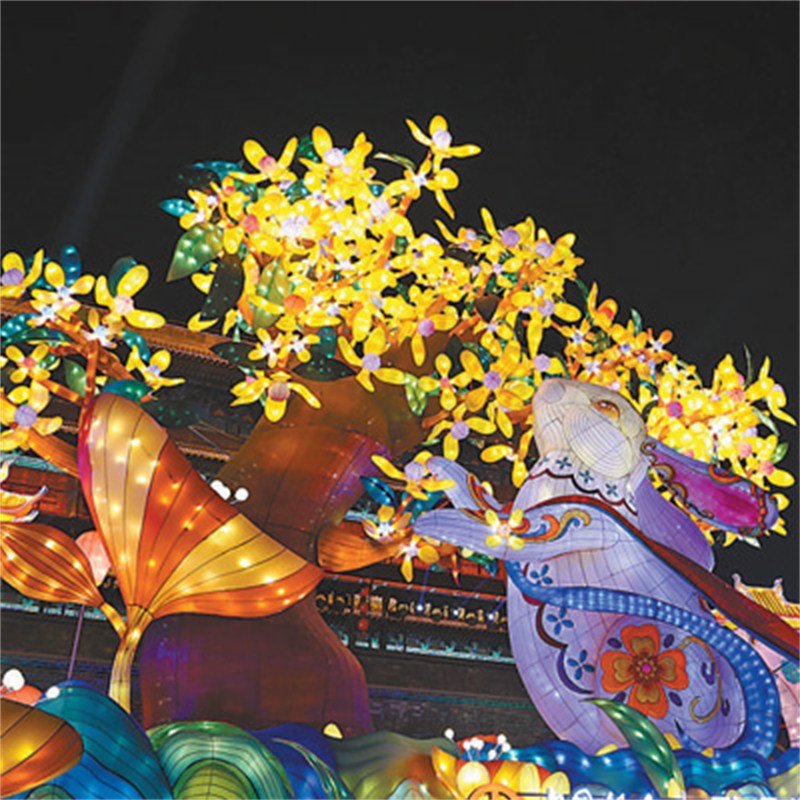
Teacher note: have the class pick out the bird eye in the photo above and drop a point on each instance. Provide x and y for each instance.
(606, 407)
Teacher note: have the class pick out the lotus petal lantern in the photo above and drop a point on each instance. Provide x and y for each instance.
(35, 747)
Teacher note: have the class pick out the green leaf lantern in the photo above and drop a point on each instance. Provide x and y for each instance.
(305, 149)
(205, 759)
(416, 398)
(196, 248)
(75, 376)
(133, 390)
(648, 744)
(226, 288)
(273, 286)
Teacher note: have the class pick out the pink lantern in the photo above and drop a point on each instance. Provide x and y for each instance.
(92, 545)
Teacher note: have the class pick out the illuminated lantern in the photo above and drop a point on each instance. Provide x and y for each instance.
(40, 561)
(382, 764)
(607, 579)
(253, 673)
(118, 759)
(198, 755)
(495, 780)
(35, 747)
(174, 544)
(290, 667)
(303, 484)
(92, 545)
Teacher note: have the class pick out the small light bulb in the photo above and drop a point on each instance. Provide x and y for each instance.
(13, 680)
(220, 488)
(52, 692)
(241, 494)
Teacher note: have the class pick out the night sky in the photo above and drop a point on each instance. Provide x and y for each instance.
(663, 134)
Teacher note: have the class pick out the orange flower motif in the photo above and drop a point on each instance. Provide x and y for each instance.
(645, 669)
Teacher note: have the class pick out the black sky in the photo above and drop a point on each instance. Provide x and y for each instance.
(663, 134)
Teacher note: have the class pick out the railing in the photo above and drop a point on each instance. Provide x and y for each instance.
(442, 627)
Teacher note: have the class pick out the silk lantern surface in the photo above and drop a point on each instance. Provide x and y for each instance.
(303, 474)
(174, 544)
(35, 747)
(253, 673)
(599, 609)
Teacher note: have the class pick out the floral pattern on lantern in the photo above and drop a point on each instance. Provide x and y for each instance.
(645, 669)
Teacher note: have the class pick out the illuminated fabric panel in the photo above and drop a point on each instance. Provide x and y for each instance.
(118, 759)
(374, 765)
(176, 546)
(42, 562)
(254, 672)
(50, 792)
(344, 547)
(717, 496)
(308, 774)
(300, 484)
(213, 759)
(35, 747)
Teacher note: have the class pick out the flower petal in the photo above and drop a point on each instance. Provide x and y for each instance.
(18, 396)
(417, 133)
(161, 360)
(13, 261)
(132, 281)
(274, 409)
(496, 452)
(39, 397)
(47, 425)
(437, 123)
(83, 285)
(616, 669)
(145, 319)
(672, 669)
(305, 393)
(254, 152)
(643, 640)
(101, 293)
(322, 140)
(472, 365)
(481, 425)
(195, 323)
(15, 354)
(428, 554)
(11, 439)
(54, 275)
(390, 375)
(387, 468)
(650, 699)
